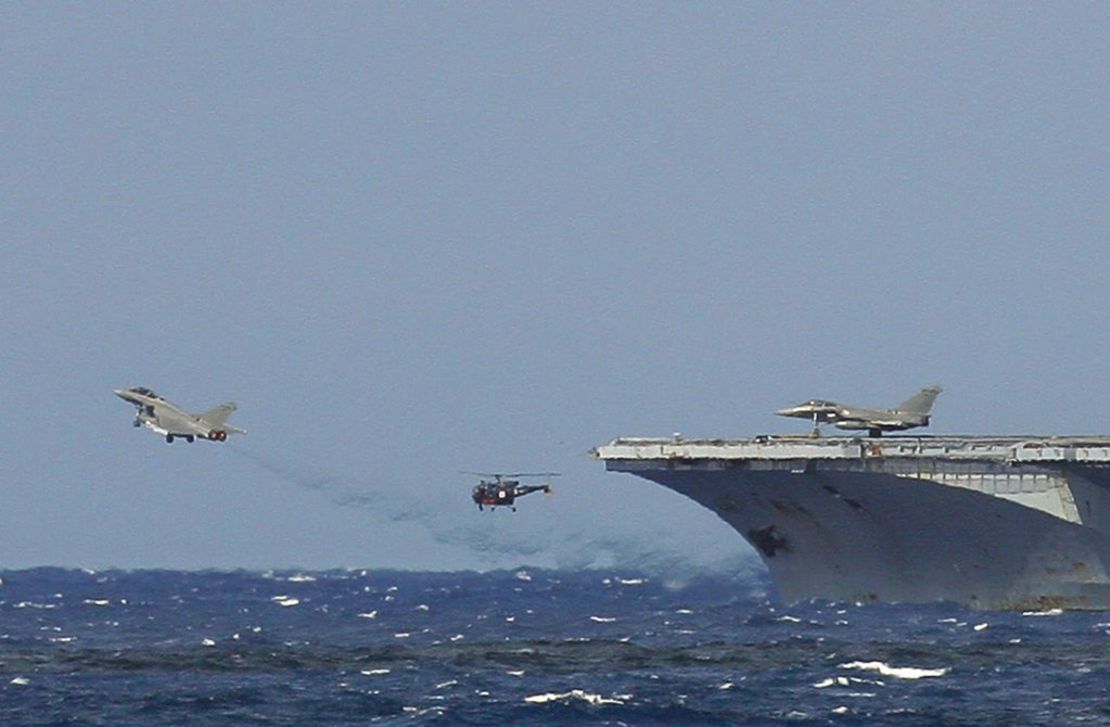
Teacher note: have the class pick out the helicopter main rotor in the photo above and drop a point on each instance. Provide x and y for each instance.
(499, 476)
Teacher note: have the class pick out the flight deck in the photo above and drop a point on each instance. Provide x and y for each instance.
(1011, 448)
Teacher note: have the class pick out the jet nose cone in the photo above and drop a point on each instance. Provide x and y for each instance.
(124, 394)
(791, 411)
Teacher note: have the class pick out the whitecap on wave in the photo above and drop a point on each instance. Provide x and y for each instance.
(845, 682)
(898, 672)
(595, 699)
(624, 581)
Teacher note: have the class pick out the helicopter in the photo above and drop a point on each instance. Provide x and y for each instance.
(502, 489)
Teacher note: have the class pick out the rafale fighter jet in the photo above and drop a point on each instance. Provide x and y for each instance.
(166, 418)
(914, 412)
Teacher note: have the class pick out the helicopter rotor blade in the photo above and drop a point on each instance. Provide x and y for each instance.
(509, 474)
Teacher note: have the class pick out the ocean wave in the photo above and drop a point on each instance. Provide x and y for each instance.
(218, 648)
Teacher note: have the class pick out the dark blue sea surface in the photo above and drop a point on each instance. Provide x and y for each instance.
(523, 647)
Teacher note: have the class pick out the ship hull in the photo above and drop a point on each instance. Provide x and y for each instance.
(871, 537)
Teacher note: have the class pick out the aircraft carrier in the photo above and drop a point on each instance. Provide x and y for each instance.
(997, 523)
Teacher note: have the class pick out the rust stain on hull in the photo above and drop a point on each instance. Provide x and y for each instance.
(768, 541)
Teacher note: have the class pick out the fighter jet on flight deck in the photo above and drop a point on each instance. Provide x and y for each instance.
(166, 418)
(914, 412)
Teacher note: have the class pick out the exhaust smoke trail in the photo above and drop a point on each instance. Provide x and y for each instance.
(393, 505)
(577, 549)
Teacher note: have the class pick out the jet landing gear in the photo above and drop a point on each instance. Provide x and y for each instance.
(188, 438)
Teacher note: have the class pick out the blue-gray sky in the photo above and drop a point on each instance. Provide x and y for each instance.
(416, 238)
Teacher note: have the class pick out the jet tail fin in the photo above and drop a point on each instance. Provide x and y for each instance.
(218, 417)
(922, 402)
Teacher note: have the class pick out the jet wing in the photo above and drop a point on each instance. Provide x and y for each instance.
(882, 424)
(179, 422)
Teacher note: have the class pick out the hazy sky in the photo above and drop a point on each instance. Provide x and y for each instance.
(416, 238)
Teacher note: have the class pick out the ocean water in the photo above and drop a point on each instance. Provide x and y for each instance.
(522, 647)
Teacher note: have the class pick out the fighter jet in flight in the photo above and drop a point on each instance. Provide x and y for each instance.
(914, 412)
(167, 418)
